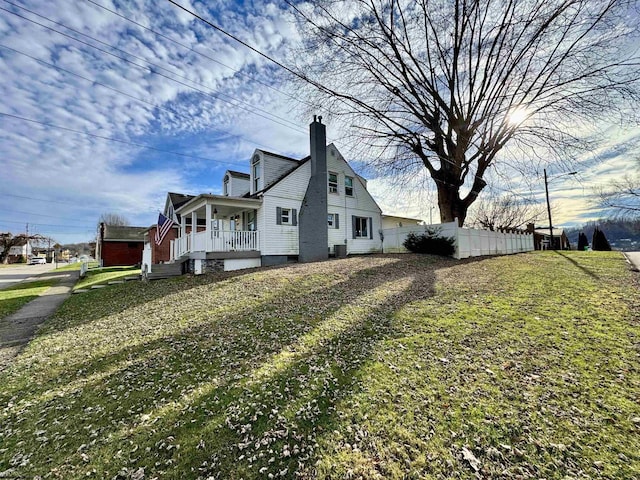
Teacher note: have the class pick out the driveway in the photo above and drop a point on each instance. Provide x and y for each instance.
(20, 272)
(634, 258)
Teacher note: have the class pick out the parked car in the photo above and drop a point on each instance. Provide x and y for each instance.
(37, 260)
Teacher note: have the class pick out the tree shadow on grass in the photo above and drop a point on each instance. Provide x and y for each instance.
(576, 264)
(278, 367)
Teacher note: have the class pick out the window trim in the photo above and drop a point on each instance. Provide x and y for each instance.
(357, 234)
(348, 189)
(255, 171)
(332, 186)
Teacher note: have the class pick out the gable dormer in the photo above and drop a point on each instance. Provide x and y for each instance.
(235, 184)
(256, 177)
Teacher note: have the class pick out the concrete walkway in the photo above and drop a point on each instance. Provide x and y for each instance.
(634, 259)
(17, 329)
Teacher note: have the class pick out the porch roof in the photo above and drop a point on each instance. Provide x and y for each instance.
(220, 202)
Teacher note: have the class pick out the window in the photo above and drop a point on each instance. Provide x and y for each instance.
(330, 220)
(256, 173)
(333, 220)
(333, 182)
(361, 227)
(226, 185)
(348, 186)
(286, 216)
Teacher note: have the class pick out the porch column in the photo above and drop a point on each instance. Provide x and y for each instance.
(183, 226)
(207, 215)
(208, 247)
(194, 228)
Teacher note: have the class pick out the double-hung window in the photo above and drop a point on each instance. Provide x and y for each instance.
(348, 186)
(286, 216)
(333, 220)
(361, 227)
(333, 182)
(256, 173)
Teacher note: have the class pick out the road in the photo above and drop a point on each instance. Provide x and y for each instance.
(19, 272)
(634, 258)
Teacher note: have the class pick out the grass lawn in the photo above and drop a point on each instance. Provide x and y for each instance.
(75, 266)
(394, 367)
(103, 275)
(13, 298)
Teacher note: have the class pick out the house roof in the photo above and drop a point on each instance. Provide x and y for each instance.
(114, 233)
(234, 173)
(178, 199)
(557, 232)
(284, 157)
(301, 162)
(402, 218)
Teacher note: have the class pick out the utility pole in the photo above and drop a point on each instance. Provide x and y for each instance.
(546, 189)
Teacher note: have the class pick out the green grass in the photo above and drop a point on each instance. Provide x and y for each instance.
(15, 297)
(394, 367)
(75, 266)
(104, 275)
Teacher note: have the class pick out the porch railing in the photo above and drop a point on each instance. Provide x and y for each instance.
(217, 241)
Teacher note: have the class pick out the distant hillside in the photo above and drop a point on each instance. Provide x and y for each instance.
(622, 234)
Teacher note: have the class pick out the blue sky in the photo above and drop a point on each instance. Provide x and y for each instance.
(78, 114)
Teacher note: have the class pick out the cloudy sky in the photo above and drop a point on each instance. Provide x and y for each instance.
(107, 105)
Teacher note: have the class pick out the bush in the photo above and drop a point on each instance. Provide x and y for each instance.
(600, 241)
(583, 243)
(430, 242)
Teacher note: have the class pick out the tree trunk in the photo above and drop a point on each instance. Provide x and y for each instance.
(451, 207)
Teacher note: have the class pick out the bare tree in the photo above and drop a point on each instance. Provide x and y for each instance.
(621, 196)
(445, 85)
(9, 240)
(114, 219)
(505, 212)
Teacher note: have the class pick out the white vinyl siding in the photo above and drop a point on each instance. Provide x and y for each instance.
(288, 193)
(360, 204)
(274, 167)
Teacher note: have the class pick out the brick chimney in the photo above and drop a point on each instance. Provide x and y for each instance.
(312, 222)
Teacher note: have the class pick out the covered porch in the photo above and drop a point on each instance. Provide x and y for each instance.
(216, 224)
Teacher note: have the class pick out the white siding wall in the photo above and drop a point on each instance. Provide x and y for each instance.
(282, 239)
(274, 167)
(238, 186)
(361, 204)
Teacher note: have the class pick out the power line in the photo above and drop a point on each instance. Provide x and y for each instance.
(216, 95)
(94, 82)
(39, 199)
(43, 215)
(111, 139)
(73, 227)
(124, 17)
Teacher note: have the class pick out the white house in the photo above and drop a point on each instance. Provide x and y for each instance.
(283, 210)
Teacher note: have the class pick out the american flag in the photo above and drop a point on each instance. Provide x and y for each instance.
(164, 225)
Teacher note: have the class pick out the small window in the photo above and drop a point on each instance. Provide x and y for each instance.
(226, 185)
(285, 216)
(333, 182)
(360, 225)
(348, 186)
(256, 173)
(333, 220)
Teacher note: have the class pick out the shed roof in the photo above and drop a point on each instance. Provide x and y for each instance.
(114, 233)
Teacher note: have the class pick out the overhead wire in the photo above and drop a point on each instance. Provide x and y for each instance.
(250, 108)
(124, 17)
(111, 139)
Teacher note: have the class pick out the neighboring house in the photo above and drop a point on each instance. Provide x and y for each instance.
(541, 238)
(119, 245)
(283, 210)
(391, 221)
(18, 252)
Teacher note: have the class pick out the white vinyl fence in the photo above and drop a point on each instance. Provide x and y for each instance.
(469, 242)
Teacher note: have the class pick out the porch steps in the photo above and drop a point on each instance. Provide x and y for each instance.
(165, 270)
